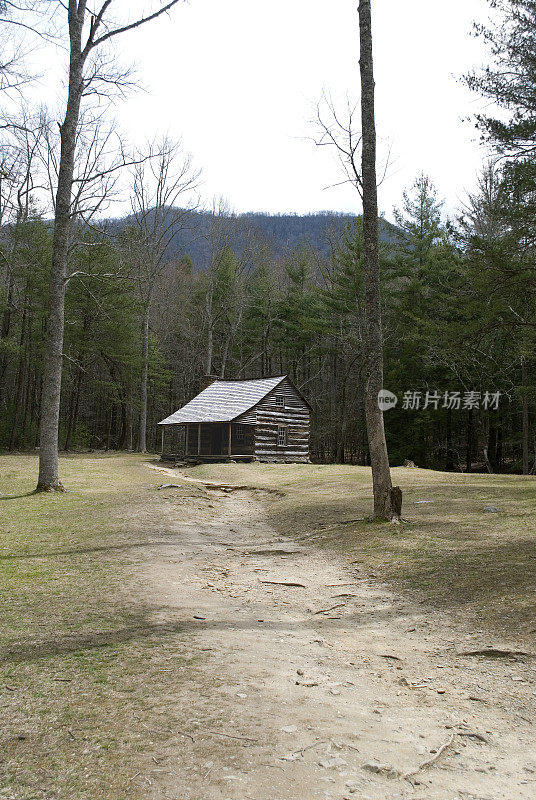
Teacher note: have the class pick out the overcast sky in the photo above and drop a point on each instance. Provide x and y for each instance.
(238, 81)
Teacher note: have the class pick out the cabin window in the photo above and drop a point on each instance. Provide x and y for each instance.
(280, 400)
(239, 433)
(281, 436)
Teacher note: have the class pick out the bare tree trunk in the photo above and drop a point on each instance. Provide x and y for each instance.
(485, 442)
(27, 389)
(109, 425)
(50, 400)
(449, 465)
(142, 437)
(228, 342)
(4, 329)
(387, 501)
(225, 356)
(122, 437)
(51, 395)
(130, 418)
(20, 381)
(73, 411)
(525, 417)
(499, 450)
(77, 385)
(469, 448)
(210, 333)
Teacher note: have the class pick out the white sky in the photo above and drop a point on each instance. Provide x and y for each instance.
(238, 82)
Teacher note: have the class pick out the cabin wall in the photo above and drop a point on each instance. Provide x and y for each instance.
(295, 417)
(243, 445)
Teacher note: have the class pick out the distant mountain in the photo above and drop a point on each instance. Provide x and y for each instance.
(282, 232)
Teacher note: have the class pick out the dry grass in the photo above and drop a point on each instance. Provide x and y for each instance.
(85, 678)
(451, 554)
(92, 689)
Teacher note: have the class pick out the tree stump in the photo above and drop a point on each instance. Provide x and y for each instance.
(396, 503)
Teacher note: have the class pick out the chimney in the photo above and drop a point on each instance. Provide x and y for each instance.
(207, 380)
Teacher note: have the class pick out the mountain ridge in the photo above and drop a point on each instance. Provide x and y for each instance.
(283, 233)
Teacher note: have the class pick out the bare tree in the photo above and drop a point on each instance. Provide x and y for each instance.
(219, 239)
(20, 178)
(234, 308)
(161, 179)
(357, 154)
(88, 31)
(387, 500)
(234, 246)
(13, 74)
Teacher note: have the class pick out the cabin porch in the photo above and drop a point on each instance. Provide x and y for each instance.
(209, 441)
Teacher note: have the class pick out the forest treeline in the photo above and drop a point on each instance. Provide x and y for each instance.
(284, 232)
(170, 293)
(457, 319)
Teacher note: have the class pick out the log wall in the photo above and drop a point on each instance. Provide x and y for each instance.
(295, 417)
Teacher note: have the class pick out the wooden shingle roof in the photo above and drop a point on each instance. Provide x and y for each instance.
(223, 401)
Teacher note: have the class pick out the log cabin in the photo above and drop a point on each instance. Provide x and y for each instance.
(253, 420)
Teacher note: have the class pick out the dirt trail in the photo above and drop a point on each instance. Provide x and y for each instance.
(330, 689)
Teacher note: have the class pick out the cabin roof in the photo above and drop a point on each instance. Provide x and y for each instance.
(224, 401)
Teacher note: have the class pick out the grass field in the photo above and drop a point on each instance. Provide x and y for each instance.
(450, 553)
(89, 685)
(77, 651)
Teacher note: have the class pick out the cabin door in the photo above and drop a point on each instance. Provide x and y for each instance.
(216, 440)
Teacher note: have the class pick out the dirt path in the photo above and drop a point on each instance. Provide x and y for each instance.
(330, 688)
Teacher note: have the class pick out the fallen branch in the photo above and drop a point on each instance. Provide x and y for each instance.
(230, 736)
(286, 583)
(493, 652)
(477, 736)
(302, 750)
(429, 762)
(325, 610)
(311, 746)
(188, 735)
(335, 585)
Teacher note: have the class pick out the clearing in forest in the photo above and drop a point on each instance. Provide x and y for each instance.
(264, 642)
